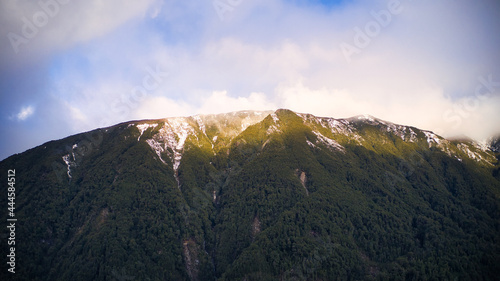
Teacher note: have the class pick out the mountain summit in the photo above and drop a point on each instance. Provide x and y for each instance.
(256, 195)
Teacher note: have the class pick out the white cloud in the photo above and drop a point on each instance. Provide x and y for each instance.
(471, 116)
(428, 109)
(61, 24)
(220, 102)
(157, 107)
(77, 115)
(298, 64)
(161, 107)
(25, 113)
(418, 68)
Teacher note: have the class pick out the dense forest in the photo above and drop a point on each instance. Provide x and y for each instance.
(255, 196)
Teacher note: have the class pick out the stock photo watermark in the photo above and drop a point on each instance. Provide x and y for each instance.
(121, 107)
(225, 7)
(11, 220)
(31, 26)
(150, 82)
(364, 36)
(484, 90)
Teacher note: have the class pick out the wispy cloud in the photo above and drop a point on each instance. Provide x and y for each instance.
(25, 113)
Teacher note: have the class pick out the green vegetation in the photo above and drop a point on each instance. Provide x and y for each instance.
(274, 202)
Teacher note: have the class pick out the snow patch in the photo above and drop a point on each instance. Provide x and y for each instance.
(343, 127)
(432, 138)
(329, 142)
(68, 163)
(176, 134)
(465, 148)
(405, 133)
(339, 126)
(143, 127)
(413, 135)
(201, 125)
(75, 146)
(245, 123)
(158, 149)
(482, 145)
(272, 129)
(366, 117)
(311, 119)
(173, 135)
(275, 117)
(311, 144)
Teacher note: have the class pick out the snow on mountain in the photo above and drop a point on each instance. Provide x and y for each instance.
(200, 123)
(144, 127)
(157, 148)
(493, 144)
(169, 136)
(352, 129)
(275, 117)
(432, 138)
(340, 126)
(68, 164)
(329, 142)
(367, 118)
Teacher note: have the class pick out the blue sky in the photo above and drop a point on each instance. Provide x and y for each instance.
(72, 66)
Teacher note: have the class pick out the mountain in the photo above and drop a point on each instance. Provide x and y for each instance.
(495, 144)
(255, 196)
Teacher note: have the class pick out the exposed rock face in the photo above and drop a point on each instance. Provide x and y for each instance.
(256, 227)
(303, 179)
(191, 258)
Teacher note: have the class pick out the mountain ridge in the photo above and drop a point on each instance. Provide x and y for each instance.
(257, 196)
(358, 118)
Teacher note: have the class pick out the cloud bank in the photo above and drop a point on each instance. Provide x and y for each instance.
(430, 64)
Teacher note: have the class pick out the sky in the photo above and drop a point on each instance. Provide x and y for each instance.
(69, 66)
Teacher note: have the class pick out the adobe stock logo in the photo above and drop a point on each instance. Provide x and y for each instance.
(30, 28)
(127, 103)
(223, 7)
(363, 37)
(485, 90)
(122, 107)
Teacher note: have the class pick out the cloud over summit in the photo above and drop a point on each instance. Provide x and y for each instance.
(422, 67)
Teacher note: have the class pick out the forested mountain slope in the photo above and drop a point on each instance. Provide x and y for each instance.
(255, 196)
